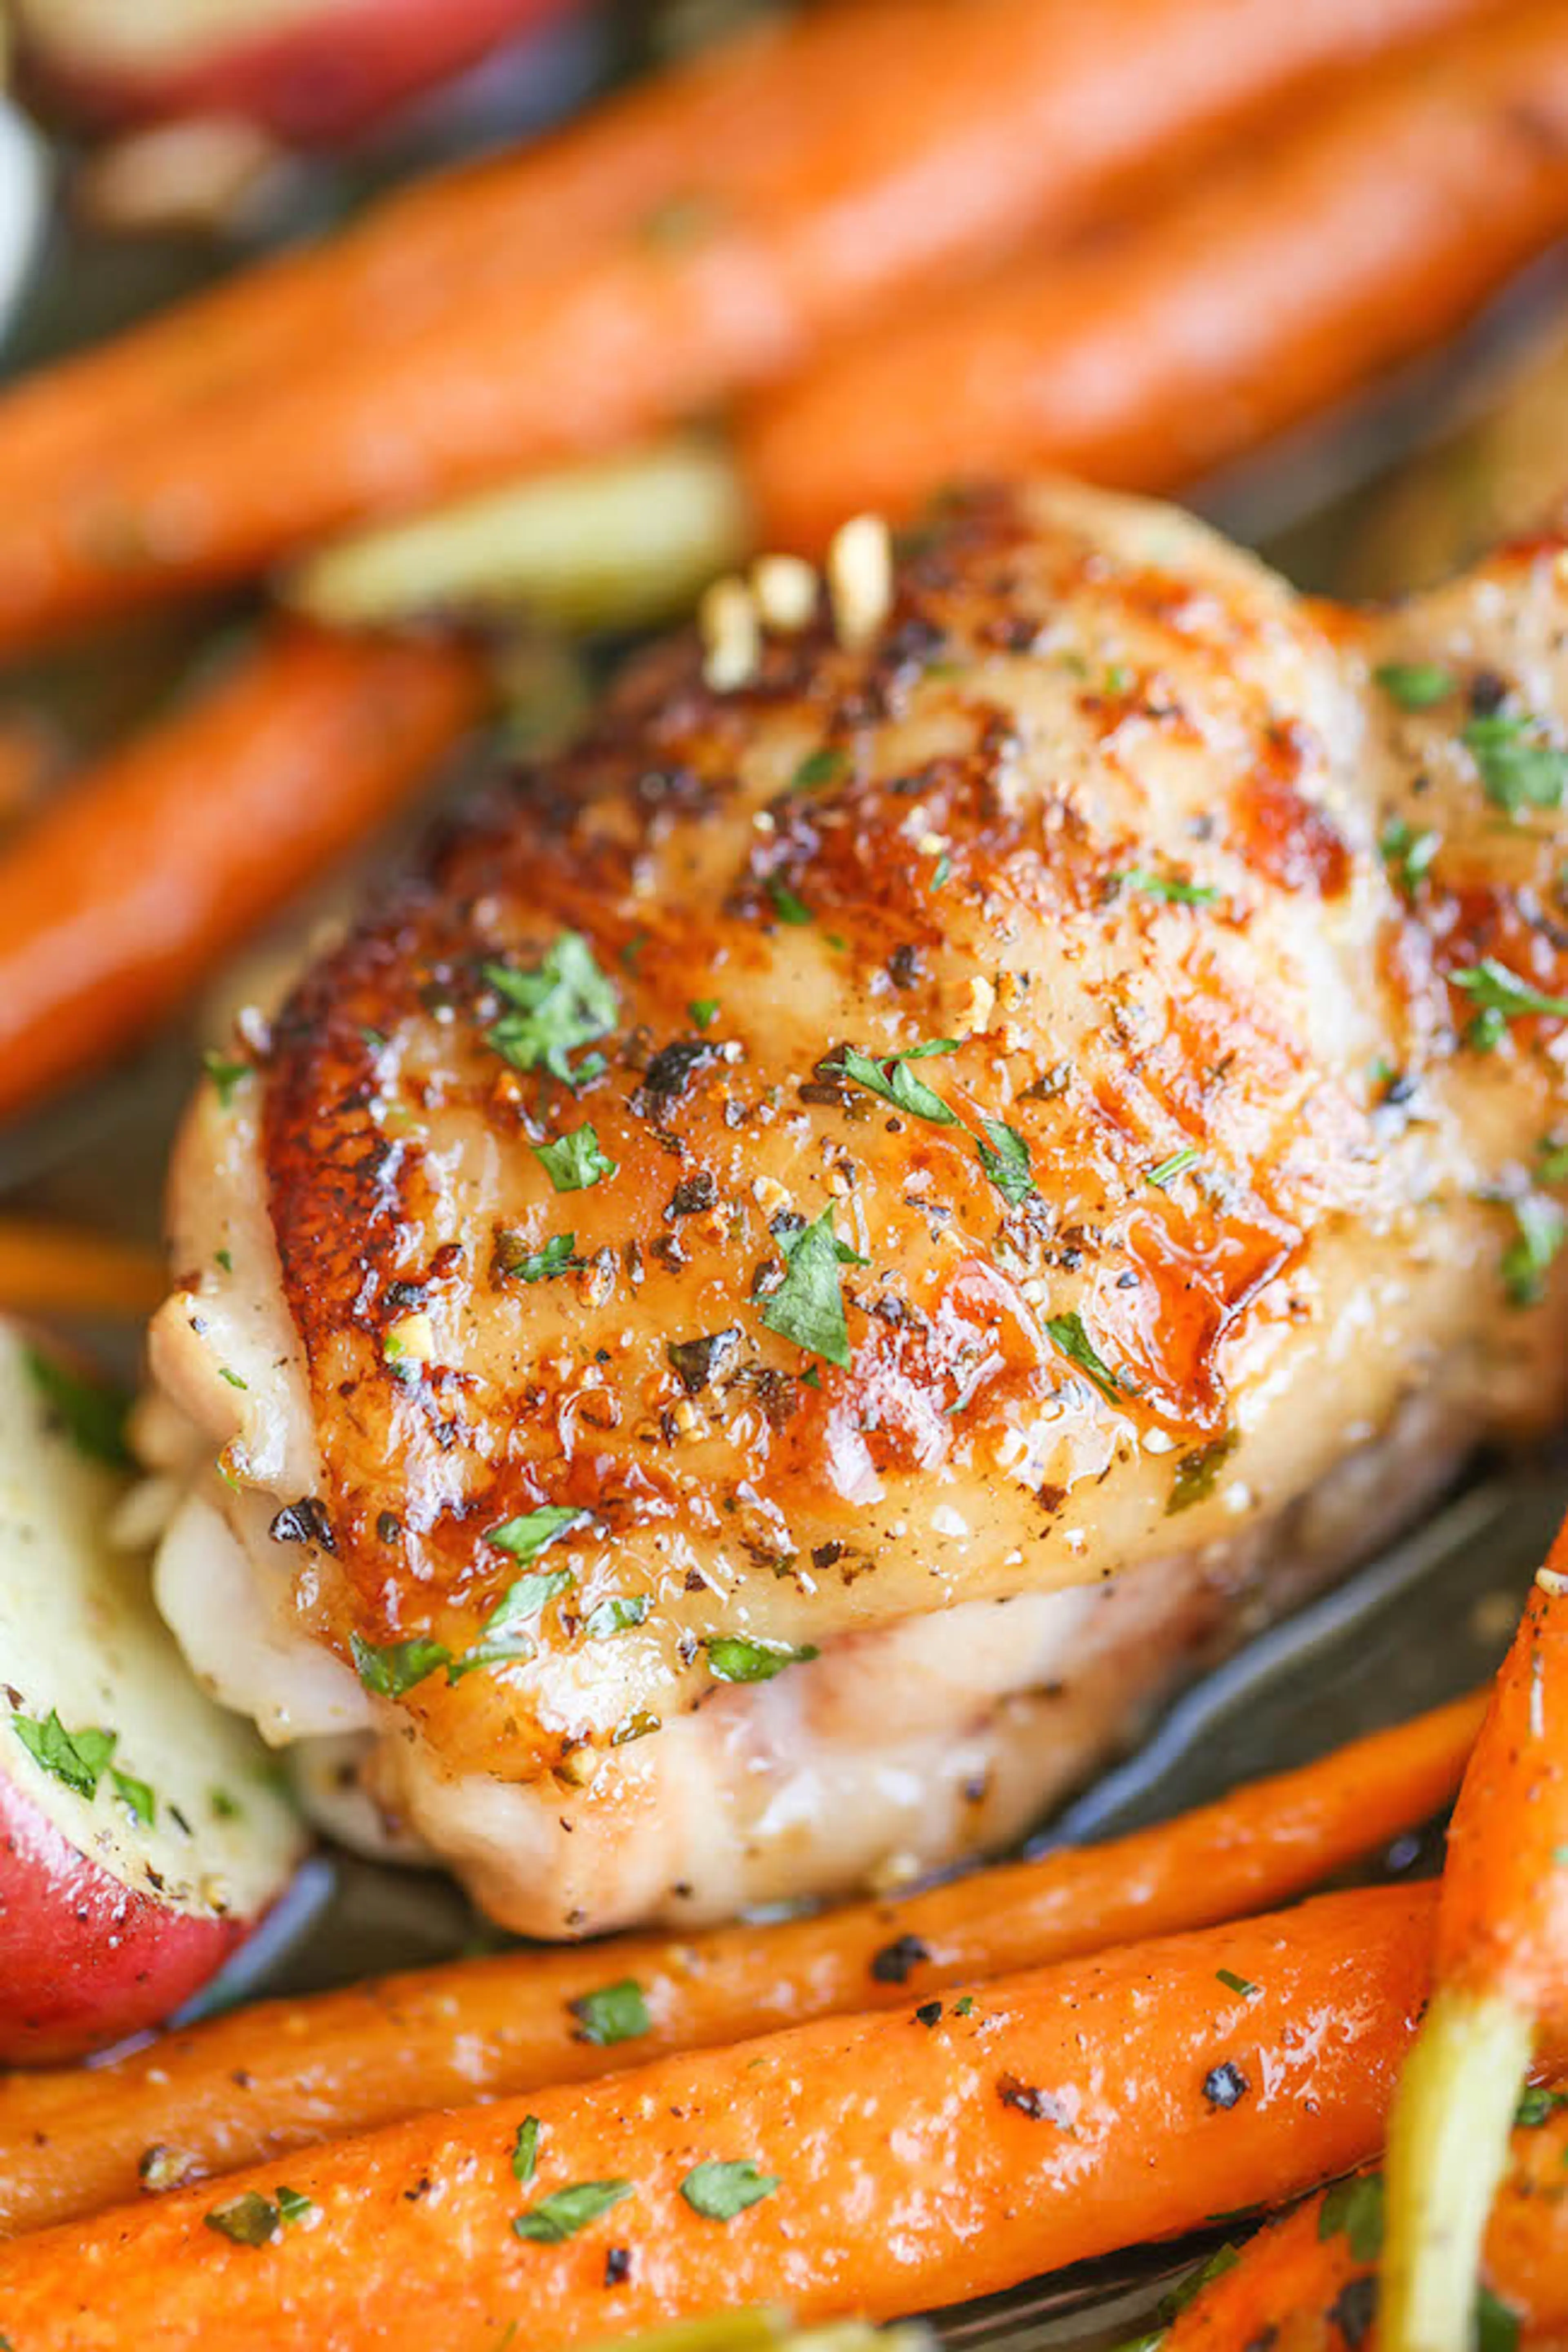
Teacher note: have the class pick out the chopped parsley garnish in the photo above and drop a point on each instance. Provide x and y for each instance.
(616, 2012)
(504, 1637)
(808, 1305)
(1355, 2208)
(681, 220)
(392, 1668)
(1169, 1170)
(1542, 1226)
(135, 1795)
(543, 1265)
(1197, 1472)
(1185, 2291)
(1005, 1156)
(732, 1660)
(704, 1011)
(941, 873)
(616, 1615)
(1552, 1161)
(719, 2191)
(1070, 1336)
(249, 2220)
(80, 1759)
(1414, 686)
(787, 906)
(526, 1535)
(253, 2220)
(1496, 2324)
(1408, 854)
(574, 1162)
(1233, 1983)
(889, 1074)
(92, 1416)
(225, 1074)
(525, 2150)
(1537, 2106)
(1494, 988)
(1168, 890)
(563, 1004)
(233, 1378)
(824, 766)
(1519, 767)
(559, 2216)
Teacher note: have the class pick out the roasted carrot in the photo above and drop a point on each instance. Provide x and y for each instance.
(1500, 1962)
(708, 232)
(1315, 2270)
(270, 2079)
(157, 860)
(1331, 252)
(879, 2164)
(56, 1269)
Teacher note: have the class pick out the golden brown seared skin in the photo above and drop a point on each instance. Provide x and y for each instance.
(1098, 815)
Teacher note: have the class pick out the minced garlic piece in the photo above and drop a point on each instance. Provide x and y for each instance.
(410, 1340)
(860, 579)
(784, 587)
(731, 634)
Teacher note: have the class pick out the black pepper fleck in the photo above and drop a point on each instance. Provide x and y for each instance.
(1354, 2308)
(897, 1961)
(1225, 2083)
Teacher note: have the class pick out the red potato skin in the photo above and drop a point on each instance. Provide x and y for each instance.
(312, 80)
(84, 1960)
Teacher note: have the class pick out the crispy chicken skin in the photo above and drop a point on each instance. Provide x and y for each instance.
(1196, 1278)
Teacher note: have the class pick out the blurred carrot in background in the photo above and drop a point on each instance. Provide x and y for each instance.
(1354, 240)
(708, 232)
(160, 857)
(47, 1268)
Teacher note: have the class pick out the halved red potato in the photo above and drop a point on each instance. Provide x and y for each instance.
(142, 1835)
(306, 69)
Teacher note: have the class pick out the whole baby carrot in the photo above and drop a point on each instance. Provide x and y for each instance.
(883, 2163)
(262, 2082)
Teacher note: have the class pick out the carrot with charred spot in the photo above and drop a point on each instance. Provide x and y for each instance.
(1501, 1963)
(267, 2080)
(877, 2164)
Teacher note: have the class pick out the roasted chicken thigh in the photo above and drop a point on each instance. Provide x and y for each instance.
(756, 1312)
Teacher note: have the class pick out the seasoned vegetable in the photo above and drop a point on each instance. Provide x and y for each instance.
(1037, 2120)
(276, 2078)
